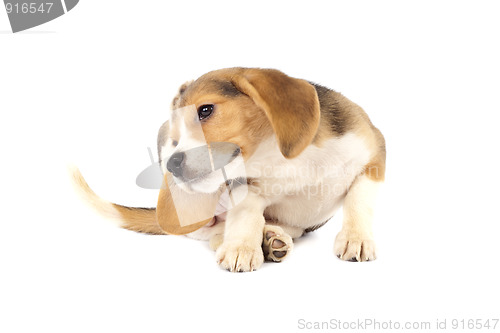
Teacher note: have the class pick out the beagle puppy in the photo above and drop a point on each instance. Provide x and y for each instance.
(307, 150)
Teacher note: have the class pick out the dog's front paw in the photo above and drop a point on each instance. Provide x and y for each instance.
(239, 257)
(354, 247)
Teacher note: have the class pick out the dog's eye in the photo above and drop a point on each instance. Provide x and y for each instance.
(205, 111)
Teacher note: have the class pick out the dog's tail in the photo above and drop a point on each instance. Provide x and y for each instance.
(131, 218)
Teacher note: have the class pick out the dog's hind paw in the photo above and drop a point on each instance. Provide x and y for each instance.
(276, 244)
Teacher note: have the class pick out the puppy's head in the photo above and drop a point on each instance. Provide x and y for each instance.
(239, 106)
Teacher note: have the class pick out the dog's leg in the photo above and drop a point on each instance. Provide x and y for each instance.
(215, 241)
(277, 244)
(355, 241)
(241, 250)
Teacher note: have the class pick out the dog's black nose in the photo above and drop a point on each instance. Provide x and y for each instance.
(174, 164)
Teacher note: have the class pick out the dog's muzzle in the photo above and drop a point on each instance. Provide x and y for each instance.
(198, 162)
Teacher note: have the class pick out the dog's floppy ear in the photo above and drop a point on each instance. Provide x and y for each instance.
(179, 212)
(291, 105)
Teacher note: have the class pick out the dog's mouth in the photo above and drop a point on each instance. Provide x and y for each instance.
(206, 185)
(193, 185)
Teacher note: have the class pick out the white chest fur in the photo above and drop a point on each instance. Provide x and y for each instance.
(307, 190)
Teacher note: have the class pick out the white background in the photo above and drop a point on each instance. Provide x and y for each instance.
(93, 87)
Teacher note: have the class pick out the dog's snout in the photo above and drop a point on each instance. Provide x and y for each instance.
(174, 164)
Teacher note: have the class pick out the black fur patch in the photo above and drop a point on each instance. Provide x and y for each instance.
(226, 88)
(315, 227)
(330, 109)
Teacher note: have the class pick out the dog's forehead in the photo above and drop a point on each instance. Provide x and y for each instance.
(208, 85)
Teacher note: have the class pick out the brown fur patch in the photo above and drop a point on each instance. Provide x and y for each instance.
(375, 169)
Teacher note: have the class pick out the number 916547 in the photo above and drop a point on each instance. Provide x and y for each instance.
(28, 7)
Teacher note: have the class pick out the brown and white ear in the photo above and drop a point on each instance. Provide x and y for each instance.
(177, 97)
(291, 105)
(175, 213)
